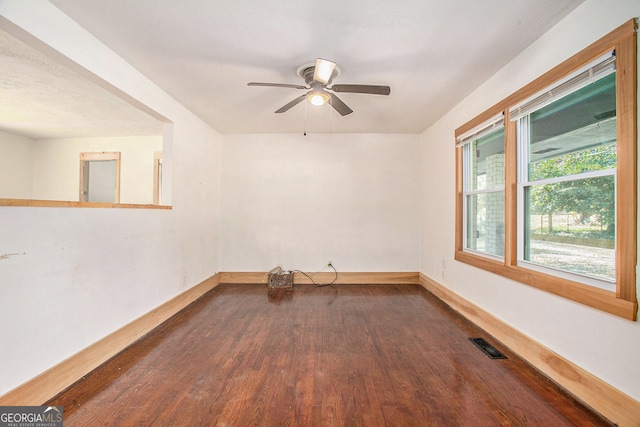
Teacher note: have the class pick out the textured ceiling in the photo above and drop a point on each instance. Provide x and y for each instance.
(431, 52)
(40, 98)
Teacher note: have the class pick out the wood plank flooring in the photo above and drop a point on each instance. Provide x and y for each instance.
(345, 355)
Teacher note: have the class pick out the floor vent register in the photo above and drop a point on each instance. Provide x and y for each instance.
(487, 348)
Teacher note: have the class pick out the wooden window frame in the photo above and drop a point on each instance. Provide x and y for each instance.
(622, 302)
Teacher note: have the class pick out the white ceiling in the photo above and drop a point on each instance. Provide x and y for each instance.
(41, 98)
(431, 52)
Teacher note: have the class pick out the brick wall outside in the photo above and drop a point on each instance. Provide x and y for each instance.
(494, 205)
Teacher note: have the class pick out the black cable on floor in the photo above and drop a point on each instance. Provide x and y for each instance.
(317, 285)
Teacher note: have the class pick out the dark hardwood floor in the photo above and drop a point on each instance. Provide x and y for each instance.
(350, 355)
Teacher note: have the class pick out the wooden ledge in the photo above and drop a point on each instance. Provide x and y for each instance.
(69, 204)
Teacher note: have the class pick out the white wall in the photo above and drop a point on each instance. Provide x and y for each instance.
(301, 201)
(16, 164)
(603, 344)
(56, 172)
(70, 276)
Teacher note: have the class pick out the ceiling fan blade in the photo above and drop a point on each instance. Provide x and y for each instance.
(340, 106)
(277, 85)
(372, 89)
(291, 104)
(323, 70)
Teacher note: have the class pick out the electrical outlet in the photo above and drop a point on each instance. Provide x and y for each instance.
(329, 264)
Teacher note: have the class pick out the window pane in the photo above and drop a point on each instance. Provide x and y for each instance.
(576, 133)
(571, 226)
(485, 223)
(486, 161)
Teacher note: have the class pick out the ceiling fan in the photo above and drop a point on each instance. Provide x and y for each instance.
(318, 77)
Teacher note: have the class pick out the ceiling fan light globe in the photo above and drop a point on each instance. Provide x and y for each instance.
(318, 98)
(323, 70)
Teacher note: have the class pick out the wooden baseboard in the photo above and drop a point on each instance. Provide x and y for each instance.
(45, 386)
(602, 397)
(349, 278)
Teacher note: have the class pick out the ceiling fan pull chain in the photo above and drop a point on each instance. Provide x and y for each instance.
(305, 119)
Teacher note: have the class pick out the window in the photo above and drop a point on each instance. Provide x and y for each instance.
(567, 152)
(483, 152)
(566, 221)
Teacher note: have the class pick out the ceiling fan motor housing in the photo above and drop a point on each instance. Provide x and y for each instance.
(308, 73)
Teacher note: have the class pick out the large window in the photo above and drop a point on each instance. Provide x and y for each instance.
(567, 156)
(562, 214)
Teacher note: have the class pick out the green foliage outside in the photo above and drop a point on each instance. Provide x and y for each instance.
(592, 198)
